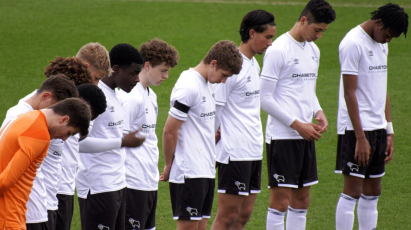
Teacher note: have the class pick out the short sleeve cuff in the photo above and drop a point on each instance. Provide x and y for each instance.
(177, 114)
(269, 78)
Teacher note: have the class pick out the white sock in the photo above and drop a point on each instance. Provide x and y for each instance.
(367, 212)
(344, 215)
(275, 219)
(296, 219)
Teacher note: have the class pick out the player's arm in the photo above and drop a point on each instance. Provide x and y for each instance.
(308, 131)
(170, 136)
(320, 116)
(14, 170)
(362, 149)
(218, 112)
(97, 145)
(390, 132)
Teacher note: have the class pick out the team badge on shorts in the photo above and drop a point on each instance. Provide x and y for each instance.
(240, 186)
(353, 167)
(134, 223)
(279, 178)
(102, 227)
(192, 211)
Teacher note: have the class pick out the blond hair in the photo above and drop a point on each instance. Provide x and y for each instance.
(97, 56)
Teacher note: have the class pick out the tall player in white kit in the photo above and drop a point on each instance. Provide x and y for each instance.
(366, 135)
(101, 182)
(288, 82)
(189, 136)
(141, 110)
(239, 152)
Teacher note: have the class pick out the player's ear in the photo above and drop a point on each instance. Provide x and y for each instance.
(252, 33)
(64, 119)
(46, 95)
(213, 63)
(116, 69)
(146, 65)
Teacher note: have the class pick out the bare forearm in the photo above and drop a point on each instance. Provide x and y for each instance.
(354, 113)
(169, 147)
(388, 109)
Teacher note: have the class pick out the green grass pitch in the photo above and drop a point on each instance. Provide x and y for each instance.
(34, 32)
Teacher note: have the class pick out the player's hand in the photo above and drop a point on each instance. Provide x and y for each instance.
(166, 174)
(132, 140)
(362, 151)
(217, 136)
(309, 131)
(322, 121)
(390, 148)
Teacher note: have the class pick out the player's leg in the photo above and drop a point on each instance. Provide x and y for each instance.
(51, 222)
(121, 208)
(300, 197)
(188, 224)
(65, 211)
(248, 203)
(229, 206)
(297, 211)
(367, 205)
(353, 180)
(284, 165)
(137, 209)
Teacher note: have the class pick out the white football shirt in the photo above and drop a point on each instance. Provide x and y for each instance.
(241, 129)
(141, 111)
(360, 55)
(294, 66)
(104, 171)
(195, 151)
(69, 165)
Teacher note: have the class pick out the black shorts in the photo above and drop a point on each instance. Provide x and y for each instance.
(103, 210)
(37, 226)
(192, 200)
(376, 167)
(292, 163)
(141, 209)
(51, 222)
(65, 211)
(239, 177)
(339, 160)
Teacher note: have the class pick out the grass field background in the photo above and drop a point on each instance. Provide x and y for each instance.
(34, 32)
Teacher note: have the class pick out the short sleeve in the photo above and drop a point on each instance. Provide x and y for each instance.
(133, 109)
(350, 55)
(222, 90)
(182, 99)
(272, 64)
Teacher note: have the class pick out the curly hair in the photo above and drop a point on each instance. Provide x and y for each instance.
(318, 11)
(392, 17)
(227, 55)
(60, 86)
(71, 67)
(97, 56)
(257, 20)
(157, 51)
(93, 95)
(124, 55)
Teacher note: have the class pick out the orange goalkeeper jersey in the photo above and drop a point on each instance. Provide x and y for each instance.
(23, 145)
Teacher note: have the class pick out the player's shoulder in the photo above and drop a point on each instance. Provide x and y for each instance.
(355, 37)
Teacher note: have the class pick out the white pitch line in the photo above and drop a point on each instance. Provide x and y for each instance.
(256, 3)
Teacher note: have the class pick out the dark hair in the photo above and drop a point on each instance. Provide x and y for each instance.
(94, 96)
(318, 11)
(157, 51)
(71, 67)
(124, 55)
(78, 111)
(257, 20)
(393, 17)
(227, 55)
(60, 86)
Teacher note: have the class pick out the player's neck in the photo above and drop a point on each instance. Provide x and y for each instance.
(245, 49)
(368, 27)
(34, 101)
(295, 32)
(142, 76)
(202, 69)
(109, 81)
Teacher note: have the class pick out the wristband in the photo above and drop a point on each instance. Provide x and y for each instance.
(390, 129)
